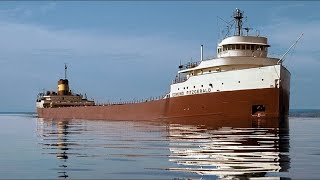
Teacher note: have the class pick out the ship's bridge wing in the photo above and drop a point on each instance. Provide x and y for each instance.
(233, 61)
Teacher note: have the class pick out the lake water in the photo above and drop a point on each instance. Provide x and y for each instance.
(48, 149)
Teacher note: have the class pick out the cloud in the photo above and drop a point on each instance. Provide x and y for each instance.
(40, 40)
(26, 11)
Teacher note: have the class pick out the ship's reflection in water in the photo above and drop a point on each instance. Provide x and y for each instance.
(256, 148)
(201, 150)
(55, 135)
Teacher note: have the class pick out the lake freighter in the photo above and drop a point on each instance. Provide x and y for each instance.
(241, 83)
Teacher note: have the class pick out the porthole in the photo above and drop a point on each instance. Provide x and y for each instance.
(209, 70)
(187, 87)
(184, 88)
(238, 81)
(201, 85)
(178, 89)
(194, 86)
(210, 85)
(262, 79)
(222, 83)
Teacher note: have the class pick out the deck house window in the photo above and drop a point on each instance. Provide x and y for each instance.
(252, 47)
(258, 47)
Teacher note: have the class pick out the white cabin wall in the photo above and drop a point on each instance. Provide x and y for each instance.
(253, 78)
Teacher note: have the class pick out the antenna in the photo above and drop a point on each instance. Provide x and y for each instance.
(201, 53)
(238, 15)
(65, 70)
(284, 55)
(229, 25)
(247, 29)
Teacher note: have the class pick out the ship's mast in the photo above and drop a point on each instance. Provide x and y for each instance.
(65, 70)
(238, 15)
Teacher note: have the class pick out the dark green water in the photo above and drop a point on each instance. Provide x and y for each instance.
(33, 148)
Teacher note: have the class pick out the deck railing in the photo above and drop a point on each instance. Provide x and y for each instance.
(179, 80)
(135, 101)
(189, 65)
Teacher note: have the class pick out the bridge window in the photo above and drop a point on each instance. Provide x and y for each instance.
(243, 46)
(237, 46)
(226, 48)
(258, 47)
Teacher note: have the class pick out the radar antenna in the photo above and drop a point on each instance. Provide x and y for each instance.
(247, 30)
(238, 15)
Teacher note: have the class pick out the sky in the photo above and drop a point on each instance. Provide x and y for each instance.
(132, 49)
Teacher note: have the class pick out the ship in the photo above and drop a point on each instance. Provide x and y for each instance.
(241, 82)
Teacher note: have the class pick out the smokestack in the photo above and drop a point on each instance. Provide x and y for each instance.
(201, 52)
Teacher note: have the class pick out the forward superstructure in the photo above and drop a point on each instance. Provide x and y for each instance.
(242, 82)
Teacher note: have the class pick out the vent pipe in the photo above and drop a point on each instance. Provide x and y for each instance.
(201, 53)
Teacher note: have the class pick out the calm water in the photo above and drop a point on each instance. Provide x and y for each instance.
(38, 148)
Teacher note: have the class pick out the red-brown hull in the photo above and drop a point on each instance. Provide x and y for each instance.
(211, 106)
